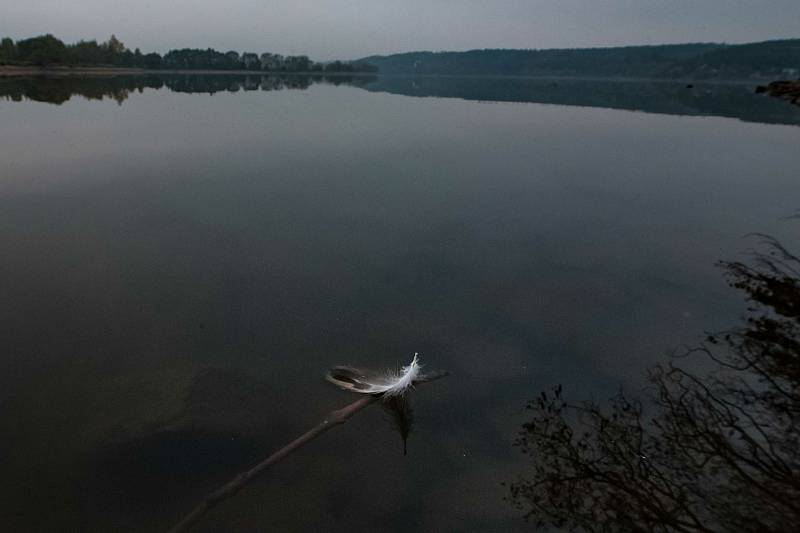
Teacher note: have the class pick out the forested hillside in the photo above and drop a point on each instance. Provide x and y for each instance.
(707, 60)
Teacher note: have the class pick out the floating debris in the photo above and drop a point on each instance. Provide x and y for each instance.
(387, 384)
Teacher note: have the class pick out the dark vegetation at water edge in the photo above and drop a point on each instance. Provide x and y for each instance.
(770, 59)
(706, 451)
(47, 50)
(785, 90)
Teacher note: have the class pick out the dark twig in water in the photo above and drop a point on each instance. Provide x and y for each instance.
(334, 418)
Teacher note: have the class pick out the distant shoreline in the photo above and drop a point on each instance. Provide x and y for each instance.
(14, 70)
(56, 71)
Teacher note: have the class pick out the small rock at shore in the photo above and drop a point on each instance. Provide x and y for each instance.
(786, 90)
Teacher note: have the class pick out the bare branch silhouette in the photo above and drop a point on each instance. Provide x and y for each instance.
(720, 451)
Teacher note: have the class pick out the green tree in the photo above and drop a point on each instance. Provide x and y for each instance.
(8, 50)
(42, 50)
(151, 61)
(86, 53)
(114, 45)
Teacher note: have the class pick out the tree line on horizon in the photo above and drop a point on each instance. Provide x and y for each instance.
(769, 59)
(47, 50)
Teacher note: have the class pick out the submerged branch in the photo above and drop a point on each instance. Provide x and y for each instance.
(334, 418)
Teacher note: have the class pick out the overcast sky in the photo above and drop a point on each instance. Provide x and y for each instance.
(348, 29)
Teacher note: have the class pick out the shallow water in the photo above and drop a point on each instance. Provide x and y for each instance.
(181, 264)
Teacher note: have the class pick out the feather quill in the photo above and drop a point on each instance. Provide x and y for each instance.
(388, 384)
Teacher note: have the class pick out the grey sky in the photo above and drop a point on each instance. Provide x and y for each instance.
(329, 29)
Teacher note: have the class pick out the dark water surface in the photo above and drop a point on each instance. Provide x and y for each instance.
(181, 262)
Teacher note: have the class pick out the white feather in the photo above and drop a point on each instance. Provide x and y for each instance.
(390, 384)
(405, 379)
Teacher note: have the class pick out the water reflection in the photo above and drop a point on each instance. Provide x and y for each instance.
(181, 269)
(59, 89)
(735, 100)
(719, 451)
(401, 415)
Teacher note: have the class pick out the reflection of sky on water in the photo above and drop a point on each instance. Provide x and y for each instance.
(733, 99)
(194, 263)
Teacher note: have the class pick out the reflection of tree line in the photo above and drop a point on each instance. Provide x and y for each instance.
(735, 100)
(708, 451)
(728, 100)
(58, 90)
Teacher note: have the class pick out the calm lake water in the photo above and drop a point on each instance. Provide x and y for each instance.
(184, 257)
